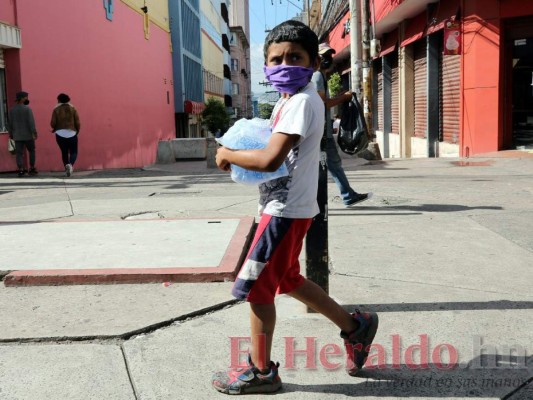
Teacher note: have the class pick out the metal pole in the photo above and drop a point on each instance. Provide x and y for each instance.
(316, 240)
(367, 68)
(355, 46)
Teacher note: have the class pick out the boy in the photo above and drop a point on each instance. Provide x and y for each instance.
(287, 206)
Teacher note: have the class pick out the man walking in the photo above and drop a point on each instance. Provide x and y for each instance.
(334, 163)
(21, 128)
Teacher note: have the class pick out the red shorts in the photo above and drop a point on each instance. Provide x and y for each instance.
(272, 264)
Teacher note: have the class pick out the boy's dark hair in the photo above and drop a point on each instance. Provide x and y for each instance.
(293, 31)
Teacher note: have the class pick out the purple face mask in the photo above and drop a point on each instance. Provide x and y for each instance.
(288, 78)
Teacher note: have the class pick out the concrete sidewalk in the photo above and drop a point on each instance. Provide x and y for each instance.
(442, 252)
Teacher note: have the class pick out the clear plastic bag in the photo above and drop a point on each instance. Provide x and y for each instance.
(248, 134)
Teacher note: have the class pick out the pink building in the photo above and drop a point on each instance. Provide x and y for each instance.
(113, 59)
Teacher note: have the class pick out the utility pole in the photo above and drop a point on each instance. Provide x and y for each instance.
(359, 33)
(367, 68)
(316, 240)
(355, 46)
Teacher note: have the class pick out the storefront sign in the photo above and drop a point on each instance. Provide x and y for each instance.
(452, 38)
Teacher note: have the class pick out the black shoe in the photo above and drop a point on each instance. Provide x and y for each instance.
(33, 171)
(359, 197)
(21, 172)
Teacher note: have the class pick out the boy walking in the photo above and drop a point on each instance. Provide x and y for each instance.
(287, 206)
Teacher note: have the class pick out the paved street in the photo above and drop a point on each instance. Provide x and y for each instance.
(442, 251)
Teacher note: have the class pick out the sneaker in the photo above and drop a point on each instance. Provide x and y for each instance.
(247, 379)
(358, 342)
(359, 198)
(33, 171)
(68, 169)
(21, 172)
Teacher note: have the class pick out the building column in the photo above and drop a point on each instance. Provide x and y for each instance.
(387, 103)
(433, 110)
(406, 66)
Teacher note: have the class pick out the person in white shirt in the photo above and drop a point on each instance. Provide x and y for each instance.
(287, 206)
(336, 124)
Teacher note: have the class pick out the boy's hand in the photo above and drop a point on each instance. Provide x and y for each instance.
(221, 159)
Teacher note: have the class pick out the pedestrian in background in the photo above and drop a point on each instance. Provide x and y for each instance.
(336, 124)
(21, 128)
(66, 125)
(333, 161)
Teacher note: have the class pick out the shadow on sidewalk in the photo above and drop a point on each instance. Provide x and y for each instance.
(414, 209)
(445, 306)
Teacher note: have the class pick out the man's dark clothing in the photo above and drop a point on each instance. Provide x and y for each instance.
(21, 124)
(21, 127)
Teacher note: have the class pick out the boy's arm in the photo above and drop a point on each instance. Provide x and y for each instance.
(268, 159)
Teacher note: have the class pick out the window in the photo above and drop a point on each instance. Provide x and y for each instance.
(234, 64)
(235, 88)
(3, 101)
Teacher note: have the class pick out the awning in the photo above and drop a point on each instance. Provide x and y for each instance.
(444, 10)
(193, 107)
(389, 44)
(415, 29)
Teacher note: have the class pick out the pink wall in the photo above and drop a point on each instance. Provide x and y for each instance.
(116, 78)
(7, 12)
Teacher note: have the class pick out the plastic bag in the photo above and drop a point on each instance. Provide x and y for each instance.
(353, 133)
(247, 134)
(11, 147)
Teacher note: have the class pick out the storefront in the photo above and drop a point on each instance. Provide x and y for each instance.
(453, 77)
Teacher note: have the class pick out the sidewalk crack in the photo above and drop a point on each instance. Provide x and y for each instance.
(128, 371)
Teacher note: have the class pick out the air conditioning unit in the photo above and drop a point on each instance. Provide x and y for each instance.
(375, 48)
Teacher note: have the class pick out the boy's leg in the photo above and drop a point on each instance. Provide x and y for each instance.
(357, 329)
(316, 298)
(262, 323)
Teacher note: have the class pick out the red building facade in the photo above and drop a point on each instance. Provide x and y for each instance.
(452, 77)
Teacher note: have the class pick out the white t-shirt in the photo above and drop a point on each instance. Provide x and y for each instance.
(66, 133)
(294, 196)
(336, 125)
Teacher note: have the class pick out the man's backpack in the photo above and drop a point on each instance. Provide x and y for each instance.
(353, 132)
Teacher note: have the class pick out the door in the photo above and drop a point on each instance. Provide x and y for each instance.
(522, 93)
(518, 80)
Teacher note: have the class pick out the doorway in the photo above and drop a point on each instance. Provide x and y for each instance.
(519, 50)
(523, 93)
